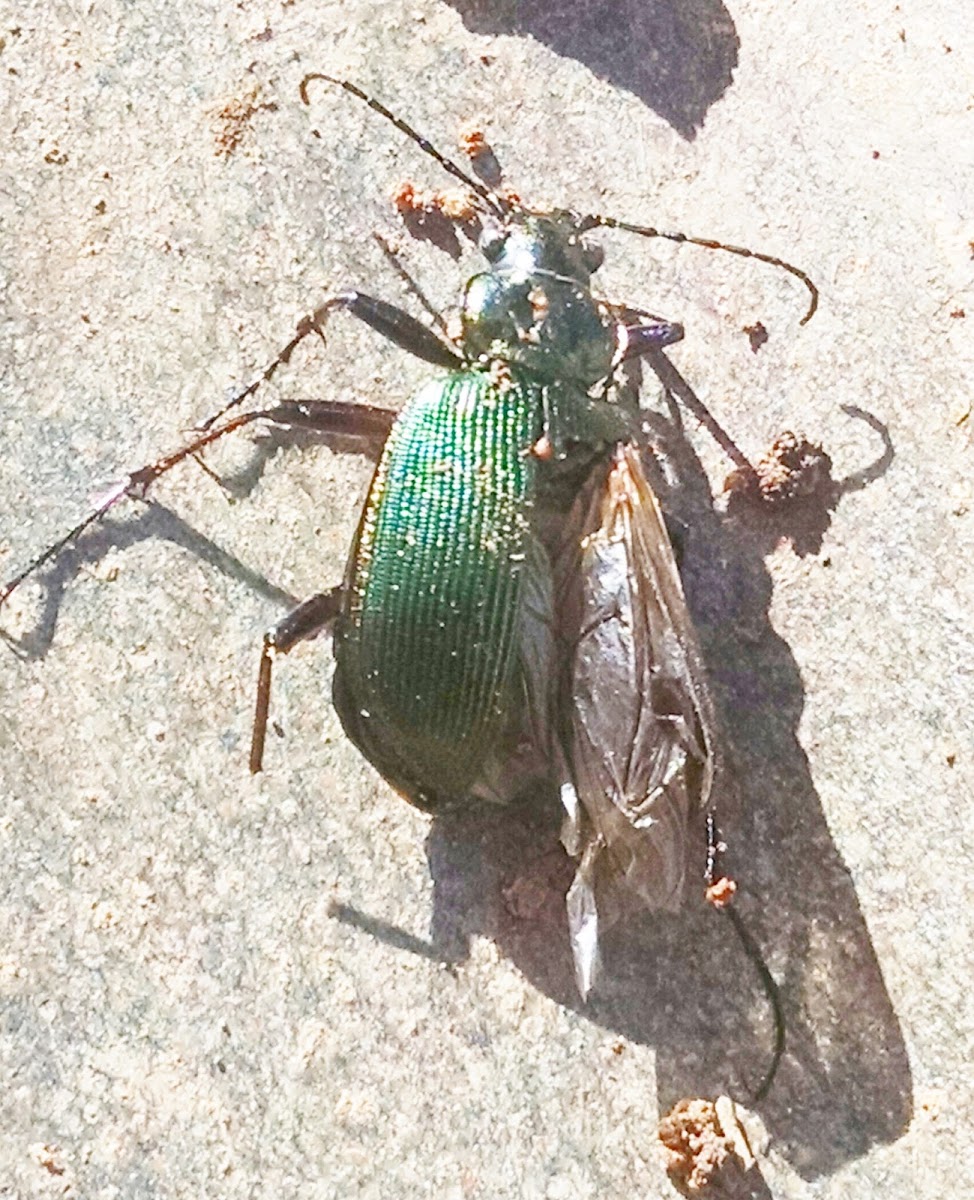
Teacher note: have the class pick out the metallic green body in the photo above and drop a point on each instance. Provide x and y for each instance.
(512, 613)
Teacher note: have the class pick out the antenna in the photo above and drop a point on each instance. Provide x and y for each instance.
(494, 202)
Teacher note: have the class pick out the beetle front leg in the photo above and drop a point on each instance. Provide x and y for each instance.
(393, 323)
(309, 619)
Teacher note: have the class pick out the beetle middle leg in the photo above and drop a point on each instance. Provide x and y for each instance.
(361, 421)
(393, 323)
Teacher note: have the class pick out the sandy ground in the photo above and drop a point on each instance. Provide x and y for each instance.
(223, 986)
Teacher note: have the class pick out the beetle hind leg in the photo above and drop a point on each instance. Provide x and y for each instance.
(309, 619)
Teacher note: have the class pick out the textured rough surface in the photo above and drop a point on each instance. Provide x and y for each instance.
(425, 647)
(224, 986)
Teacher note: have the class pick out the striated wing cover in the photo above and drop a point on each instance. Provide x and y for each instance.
(428, 681)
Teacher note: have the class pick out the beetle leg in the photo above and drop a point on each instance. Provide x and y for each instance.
(720, 894)
(398, 326)
(646, 337)
(368, 422)
(306, 621)
(364, 421)
(676, 385)
(393, 323)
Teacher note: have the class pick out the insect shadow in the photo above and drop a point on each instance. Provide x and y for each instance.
(680, 983)
(677, 56)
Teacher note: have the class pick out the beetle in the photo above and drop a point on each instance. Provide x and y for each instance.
(512, 614)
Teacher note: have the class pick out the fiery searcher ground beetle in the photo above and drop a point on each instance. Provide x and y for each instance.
(512, 615)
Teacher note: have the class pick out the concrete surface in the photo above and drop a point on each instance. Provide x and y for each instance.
(221, 986)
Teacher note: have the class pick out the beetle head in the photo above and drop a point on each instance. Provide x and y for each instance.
(534, 306)
(529, 244)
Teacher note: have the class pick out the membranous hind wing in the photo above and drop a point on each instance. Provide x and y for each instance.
(637, 730)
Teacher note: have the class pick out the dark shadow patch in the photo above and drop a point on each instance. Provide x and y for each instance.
(678, 56)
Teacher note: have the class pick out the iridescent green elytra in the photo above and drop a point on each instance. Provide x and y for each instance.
(426, 677)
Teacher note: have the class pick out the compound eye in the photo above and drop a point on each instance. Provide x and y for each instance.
(593, 255)
(493, 239)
